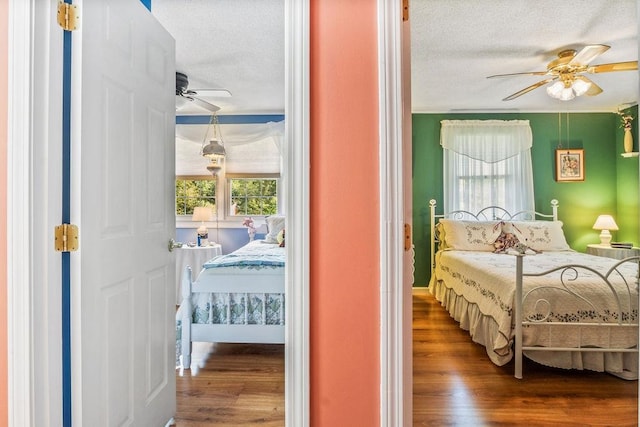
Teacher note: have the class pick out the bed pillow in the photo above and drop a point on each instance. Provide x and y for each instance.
(546, 236)
(275, 224)
(440, 236)
(470, 235)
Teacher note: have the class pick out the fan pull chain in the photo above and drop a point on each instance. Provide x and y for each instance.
(568, 143)
(559, 131)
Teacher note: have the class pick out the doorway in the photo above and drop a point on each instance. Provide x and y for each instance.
(34, 43)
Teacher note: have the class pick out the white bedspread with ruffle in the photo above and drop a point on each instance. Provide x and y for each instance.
(478, 289)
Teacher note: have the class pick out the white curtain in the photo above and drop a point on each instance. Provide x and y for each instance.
(250, 148)
(487, 163)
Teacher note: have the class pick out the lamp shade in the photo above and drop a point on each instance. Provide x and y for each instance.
(203, 213)
(605, 222)
(213, 148)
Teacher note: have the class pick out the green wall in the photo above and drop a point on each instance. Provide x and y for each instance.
(610, 185)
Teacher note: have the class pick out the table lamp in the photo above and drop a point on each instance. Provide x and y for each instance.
(202, 214)
(605, 223)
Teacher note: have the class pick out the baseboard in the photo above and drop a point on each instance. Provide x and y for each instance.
(419, 290)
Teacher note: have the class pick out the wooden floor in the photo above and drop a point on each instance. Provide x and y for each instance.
(232, 385)
(454, 384)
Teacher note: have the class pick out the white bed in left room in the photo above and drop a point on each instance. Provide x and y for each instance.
(236, 298)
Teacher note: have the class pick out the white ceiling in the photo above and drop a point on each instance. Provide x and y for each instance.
(237, 45)
(455, 44)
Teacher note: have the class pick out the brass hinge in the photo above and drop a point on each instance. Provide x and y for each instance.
(66, 238)
(405, 10)
(67, 16)
(407, 237)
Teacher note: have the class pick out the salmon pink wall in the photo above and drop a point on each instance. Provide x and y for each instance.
(4, 65)
(344, 273)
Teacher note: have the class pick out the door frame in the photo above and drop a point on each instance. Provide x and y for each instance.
(296, 182)
(34, 185)
(34, 144)
(34, 113)
(395, 331)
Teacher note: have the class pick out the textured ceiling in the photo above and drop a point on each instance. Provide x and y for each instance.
(455, 44)
(237, 45)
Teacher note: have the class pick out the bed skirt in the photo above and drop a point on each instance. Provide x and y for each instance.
(483, 329)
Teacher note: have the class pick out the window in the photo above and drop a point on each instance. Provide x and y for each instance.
(487, 163)
(194, 192)
(253, 196)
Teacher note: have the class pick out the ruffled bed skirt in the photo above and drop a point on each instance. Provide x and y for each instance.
(483, 329)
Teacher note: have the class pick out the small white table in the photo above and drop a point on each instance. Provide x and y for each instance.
(609, 252)
(193, 257)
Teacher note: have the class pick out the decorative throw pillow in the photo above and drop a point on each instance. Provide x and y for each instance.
(465, 235)
(275, 224)
(280, 238)
(545, 236)
(508, 240)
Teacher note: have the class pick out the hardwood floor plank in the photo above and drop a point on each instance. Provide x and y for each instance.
(232, 385)
(454, 384)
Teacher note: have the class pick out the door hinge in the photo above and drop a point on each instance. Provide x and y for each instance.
(66, 238)
(67, 16)
(405, 10)
(407, 237)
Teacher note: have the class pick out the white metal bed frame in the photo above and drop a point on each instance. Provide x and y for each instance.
(569, 272)
(489, 213)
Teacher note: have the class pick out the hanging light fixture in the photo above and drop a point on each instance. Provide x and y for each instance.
(214, 150)
(568, 87)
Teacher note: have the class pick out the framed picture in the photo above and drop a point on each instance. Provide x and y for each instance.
(569, 165)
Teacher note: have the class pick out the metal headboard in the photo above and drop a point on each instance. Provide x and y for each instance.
(490, 213)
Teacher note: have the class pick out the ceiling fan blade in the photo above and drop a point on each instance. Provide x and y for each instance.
(530, 73)
(614, 66)
(213, 93)
(588, 54)
(203, 104)
(594, 89)
(529, 88)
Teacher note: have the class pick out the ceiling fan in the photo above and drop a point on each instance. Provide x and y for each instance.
(567, 73)
(184, 95)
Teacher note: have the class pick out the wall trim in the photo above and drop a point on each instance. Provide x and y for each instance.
(34, 180)
(391, 198)
(18, 180)
(297, 378)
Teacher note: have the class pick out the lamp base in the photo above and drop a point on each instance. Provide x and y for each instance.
(605, 238)
(203, 235)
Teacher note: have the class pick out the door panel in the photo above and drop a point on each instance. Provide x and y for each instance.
(123, 184)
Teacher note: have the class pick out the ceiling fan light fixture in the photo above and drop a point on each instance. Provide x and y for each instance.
(567, 94)
(580, 87)
(181, 101)
(555, 90)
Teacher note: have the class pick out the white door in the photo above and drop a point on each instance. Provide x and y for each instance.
(123, 121)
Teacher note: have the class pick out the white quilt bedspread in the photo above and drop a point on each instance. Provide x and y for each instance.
(487, 280)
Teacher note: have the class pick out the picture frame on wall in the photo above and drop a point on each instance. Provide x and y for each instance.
(569, 165)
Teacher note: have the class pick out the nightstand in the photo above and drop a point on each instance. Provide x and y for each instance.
(609, 252)
(193, 257)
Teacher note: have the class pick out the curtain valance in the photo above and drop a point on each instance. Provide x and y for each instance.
(486, 140)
